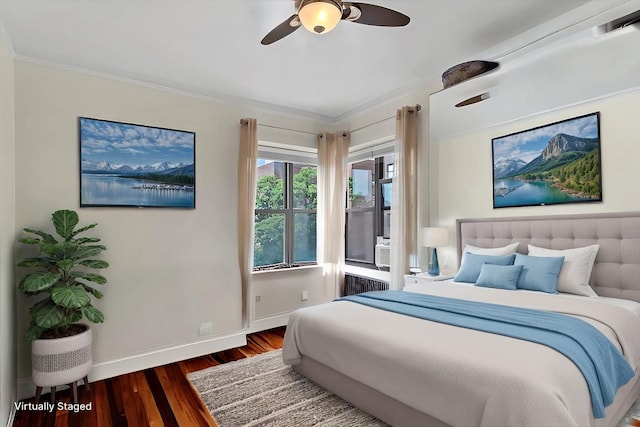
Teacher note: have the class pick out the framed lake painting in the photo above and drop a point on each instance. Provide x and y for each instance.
(550, 164)
(124, 164)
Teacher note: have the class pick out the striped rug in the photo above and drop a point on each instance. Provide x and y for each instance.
(263, 391)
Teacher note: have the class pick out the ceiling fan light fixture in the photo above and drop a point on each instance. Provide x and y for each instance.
(320, 16)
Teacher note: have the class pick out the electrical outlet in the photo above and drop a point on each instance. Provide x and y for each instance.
(304, 295)
(206, 328)
(257, 298)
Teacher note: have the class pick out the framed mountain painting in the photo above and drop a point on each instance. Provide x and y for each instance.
(124, 164)
(550, 164)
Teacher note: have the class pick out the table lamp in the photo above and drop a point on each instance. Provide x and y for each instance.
(434, 237)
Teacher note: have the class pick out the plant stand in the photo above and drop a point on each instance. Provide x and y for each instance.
(73, 386)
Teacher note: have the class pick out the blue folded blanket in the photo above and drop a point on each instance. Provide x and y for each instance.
(604, 368)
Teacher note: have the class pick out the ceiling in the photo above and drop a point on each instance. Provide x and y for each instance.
(212, 47)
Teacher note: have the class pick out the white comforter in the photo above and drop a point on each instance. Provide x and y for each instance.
(460, 376)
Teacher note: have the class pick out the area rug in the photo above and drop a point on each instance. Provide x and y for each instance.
(263, 391)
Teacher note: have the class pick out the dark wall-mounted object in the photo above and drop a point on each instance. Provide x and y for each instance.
(466, 70)
(473, 99)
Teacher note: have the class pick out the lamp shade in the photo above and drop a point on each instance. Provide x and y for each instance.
(319, 16)
(435, 237)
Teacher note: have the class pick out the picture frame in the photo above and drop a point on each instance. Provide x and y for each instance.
(131, 165)
(551, 164)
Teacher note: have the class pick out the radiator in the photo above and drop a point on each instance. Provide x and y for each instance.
(356, 285)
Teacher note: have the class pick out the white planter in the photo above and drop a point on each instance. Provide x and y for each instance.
(61, 361)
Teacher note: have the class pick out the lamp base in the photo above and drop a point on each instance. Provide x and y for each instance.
(414, 270)
(434, 269)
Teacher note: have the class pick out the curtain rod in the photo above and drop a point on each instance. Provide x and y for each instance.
(417, 107)
(244, 122)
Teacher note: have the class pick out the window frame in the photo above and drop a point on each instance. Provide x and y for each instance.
(289, 211)
(380, 207)
(378, 210)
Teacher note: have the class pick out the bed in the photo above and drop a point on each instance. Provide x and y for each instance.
(408, 371)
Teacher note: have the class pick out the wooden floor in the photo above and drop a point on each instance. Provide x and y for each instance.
(160, 396)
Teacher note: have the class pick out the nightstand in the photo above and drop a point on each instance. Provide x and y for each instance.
(424, 278)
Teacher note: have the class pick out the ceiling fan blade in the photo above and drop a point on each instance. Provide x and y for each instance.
(287, 27)
(380, 16)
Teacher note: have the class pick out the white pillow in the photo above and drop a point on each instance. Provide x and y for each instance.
(504, 250)
(576, 270)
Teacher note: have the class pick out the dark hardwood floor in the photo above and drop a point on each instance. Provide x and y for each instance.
(160, 396)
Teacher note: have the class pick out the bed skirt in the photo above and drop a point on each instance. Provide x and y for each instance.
(389, 410)
(396, 413)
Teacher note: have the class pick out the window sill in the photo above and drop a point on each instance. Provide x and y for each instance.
(368, 273)
(279, 270)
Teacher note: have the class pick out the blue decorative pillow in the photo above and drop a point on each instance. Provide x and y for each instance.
(539, 273)
(470, 268)
(499, 276)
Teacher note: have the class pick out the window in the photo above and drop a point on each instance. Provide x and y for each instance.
(368, 212)
(285, 215)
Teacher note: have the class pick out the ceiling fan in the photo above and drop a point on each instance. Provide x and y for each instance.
(321, 16)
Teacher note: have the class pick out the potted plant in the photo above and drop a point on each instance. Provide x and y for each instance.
(60, 345)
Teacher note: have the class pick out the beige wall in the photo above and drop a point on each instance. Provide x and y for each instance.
(171, 269)
(276, 293)
(7, 227)
(466, 173)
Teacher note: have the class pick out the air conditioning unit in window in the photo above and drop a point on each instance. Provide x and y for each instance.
(383, 253)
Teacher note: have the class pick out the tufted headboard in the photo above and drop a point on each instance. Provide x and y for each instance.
(616, 272)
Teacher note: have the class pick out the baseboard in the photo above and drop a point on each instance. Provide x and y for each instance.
(271, 322)
(139, 362)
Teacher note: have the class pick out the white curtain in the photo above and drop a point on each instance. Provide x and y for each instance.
(404, 203)
(248, 154)
(332, 187)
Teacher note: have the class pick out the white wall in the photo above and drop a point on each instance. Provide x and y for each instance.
(565, 69)
(567, 74)
(466, 189)
(171, 269)
(7, 230)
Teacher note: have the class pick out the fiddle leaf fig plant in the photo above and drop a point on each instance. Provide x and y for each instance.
(62, 273)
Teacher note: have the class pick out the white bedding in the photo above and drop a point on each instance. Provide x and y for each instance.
(630, 305)
(457, 375)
